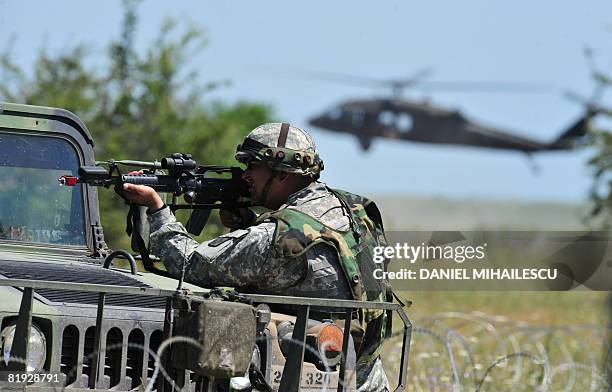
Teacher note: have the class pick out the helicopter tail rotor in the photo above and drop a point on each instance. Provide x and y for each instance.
(576, 133)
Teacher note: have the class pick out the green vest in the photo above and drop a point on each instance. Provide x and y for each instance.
(297, 232)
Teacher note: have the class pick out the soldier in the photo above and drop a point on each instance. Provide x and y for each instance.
(313, 241)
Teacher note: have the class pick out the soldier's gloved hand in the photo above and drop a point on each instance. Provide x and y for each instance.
(144, 195)
(237, 219)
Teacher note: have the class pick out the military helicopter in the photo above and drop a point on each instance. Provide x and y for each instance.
(395, 117)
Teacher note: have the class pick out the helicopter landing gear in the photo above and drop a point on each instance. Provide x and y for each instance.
(365, 143)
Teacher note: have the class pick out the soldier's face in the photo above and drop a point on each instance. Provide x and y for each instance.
(256, 175)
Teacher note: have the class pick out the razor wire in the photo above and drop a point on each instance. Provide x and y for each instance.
(165, 344)
(504, 354)
(564, 354)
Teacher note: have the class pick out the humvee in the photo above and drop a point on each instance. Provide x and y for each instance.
(70, 319)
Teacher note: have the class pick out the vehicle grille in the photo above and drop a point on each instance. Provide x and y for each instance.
(156, 339)
(113, 355)
(88, 350)
(135, 357)
(70, 353)
(80, 274)
(112, 363)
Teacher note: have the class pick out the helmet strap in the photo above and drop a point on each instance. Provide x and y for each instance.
(266, 189)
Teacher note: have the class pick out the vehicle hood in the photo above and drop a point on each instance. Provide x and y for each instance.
(74, 269)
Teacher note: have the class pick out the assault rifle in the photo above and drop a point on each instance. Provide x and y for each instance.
(179, 175)
(182, 176)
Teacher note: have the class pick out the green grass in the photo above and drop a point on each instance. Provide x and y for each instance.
(559, 334)
(540, 307)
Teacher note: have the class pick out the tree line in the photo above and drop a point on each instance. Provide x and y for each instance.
(138, 105)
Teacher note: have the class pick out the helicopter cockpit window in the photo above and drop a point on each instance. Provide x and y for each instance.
(334, 113)
(357, 118)
(33, 207)
(386, 118)
(403, 122)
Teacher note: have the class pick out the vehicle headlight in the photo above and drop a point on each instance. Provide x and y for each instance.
(38, 347)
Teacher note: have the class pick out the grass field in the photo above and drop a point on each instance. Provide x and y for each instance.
(499, 341)
(548, 308)
(441, 213)
(504, 341)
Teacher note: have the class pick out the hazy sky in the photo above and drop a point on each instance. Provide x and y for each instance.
(462, 40)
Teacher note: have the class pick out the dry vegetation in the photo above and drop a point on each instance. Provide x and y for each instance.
(505, 341)
(499, 341)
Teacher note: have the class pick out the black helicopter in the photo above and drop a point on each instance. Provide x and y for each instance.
(398, 118)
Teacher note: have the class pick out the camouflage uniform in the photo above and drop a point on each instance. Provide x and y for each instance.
(246, 259)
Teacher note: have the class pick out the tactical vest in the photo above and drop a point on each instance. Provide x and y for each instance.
(297, 232)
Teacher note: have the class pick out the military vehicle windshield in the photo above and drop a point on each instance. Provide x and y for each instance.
(33, 207)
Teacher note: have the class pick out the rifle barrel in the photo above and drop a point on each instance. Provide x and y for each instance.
(142, 164)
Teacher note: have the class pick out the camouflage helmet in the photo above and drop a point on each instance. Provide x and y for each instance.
(282, 147)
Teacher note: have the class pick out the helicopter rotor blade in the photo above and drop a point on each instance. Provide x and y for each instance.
(485, 86)
(575, 97)
(398, 85)
(591, 103)
(351, 79)
(327, 76)
(422, 73)
(415, 81)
